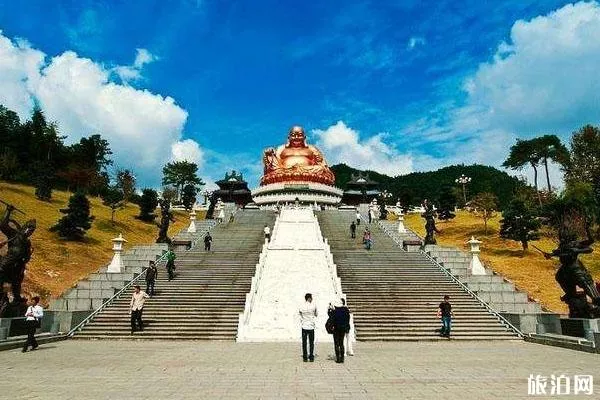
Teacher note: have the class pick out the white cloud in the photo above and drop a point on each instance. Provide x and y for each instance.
(133, 72)
(187, 150)
(342, 144)
(415, 41)
(77, 93)
(543, 80)
(19, 66)
(546, 78)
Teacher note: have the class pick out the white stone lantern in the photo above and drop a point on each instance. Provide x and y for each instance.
(116, 264)
(475, 267)
(192, 227)
(401, 227)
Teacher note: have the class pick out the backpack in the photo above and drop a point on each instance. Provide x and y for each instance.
(330, 325)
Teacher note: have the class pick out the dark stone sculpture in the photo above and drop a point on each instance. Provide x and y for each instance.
(572, 274)
(166, 216)
(12, 265)
(430, 227)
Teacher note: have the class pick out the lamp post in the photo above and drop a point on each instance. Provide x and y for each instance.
(463, 180)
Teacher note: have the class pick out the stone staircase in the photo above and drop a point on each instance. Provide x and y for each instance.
(207, 295)
(394, 294)
(499, 293)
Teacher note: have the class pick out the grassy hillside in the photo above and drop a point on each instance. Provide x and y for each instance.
(531, 272)
(56, 265)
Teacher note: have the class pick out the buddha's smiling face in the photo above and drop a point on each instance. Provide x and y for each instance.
(296, 137)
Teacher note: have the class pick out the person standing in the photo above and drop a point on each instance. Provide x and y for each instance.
(207, 241)
(33, 320)
(370, 216)
(171, 264)
(367, 239)
(267, 232)
(357, 217)
(151, 274)
(308, 315)
(348, 337)
(341, 321)
(446, 314)
(136, 306)
(353, 230)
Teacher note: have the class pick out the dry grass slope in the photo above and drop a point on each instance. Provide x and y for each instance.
(57, 265)
(530, 272)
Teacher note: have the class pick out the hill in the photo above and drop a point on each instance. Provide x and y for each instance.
(56, 265)
(531, 272)
(416, 186)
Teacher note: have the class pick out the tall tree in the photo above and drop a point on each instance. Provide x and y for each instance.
(522, 153)
(114, 198)
(549, 147)
(126, 183)
(181, 173)
(519, 223)
(76, 220)
(484, 205)
(189, 197)
(148, 204)
(584, 160)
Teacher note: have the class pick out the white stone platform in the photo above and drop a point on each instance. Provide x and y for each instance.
(305, 192)
(296, 262)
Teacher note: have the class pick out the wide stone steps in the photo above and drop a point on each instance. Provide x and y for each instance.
(394, 295)
(208, 293)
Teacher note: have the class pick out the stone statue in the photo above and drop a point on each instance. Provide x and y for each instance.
(295, 161)
(430, 227)
(12, 265)
(572, 274)
(166, 217)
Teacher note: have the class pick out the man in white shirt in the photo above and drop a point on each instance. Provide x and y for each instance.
(267, 231)
(308, 316)
(33, 318)
(358, 217)
(136, 307)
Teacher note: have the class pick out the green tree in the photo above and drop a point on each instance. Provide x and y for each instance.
(114, 198)
(181, 173)
(76, 219)
(189, 196)
(447, 203)
(549, 147)
(522, 153)
(519, 223)
(584, 160)
(484, 205)
(148, 204)
(93, 152)
(126, 183)
(43, 184)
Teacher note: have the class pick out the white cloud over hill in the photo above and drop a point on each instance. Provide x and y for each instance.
(143, 128)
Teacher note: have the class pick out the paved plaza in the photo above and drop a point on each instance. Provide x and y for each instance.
(225, 370)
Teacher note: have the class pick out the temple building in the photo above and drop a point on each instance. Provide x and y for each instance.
(296, 172)
(233, 189)
(360, 189)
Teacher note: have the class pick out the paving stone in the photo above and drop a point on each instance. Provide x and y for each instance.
(214, 370)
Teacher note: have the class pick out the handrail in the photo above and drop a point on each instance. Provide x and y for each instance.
(464, 287)
(109, 301)
(112, 298)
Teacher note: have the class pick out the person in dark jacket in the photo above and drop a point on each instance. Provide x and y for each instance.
(151, 274)
(341, 321)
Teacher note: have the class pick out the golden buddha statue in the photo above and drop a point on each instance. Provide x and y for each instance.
(295, 161)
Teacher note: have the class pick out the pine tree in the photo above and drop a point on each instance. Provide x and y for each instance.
(43, 186)
(189, 196)
(447, 203)
(148, 204)
(519, 223)
(114, 198)
(77, 219)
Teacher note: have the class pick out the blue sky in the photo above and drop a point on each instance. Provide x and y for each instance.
(395, 86)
